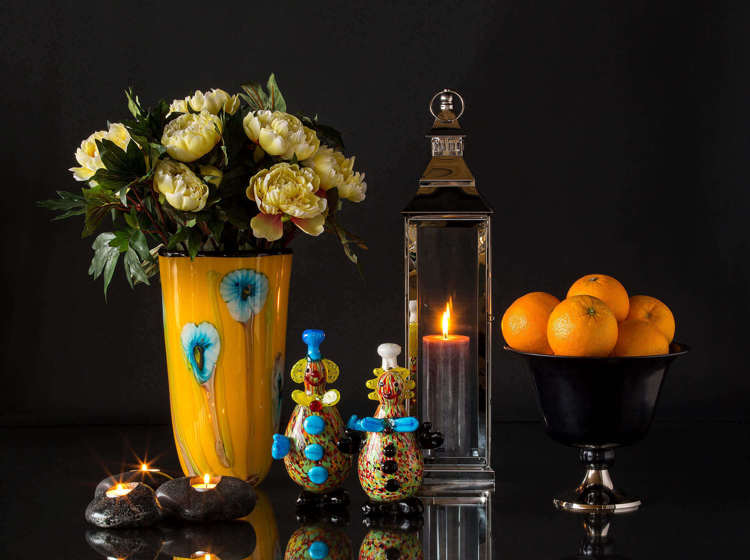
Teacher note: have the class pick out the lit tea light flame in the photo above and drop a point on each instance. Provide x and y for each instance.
(121, 490)
(446, 319)
(207, 483)
(145, 467)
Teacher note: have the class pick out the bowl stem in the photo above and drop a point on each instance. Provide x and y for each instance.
(596, 492)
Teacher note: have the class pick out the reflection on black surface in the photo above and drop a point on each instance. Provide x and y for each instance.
(458, 525)
(597, 541)
(133, 544)
(227, 540)
(314, 538)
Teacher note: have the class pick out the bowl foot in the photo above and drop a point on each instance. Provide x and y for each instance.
(596, 493)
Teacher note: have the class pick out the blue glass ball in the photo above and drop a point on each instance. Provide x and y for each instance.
(314, 452)
(318, 475)
(318, 550)
(314, 425)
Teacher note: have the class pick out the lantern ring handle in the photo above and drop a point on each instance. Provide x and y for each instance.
(444, 91)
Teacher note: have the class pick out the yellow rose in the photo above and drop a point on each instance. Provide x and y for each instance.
(88, 156)
(281, 134)
(192, 135)
(212, 101)
(286, 190)
(181, 187)
(336, 170)
(214, 174)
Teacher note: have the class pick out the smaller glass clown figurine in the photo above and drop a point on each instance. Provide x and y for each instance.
(390, 459)
(309, 444)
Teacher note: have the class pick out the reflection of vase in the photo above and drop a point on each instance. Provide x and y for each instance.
(267, 546)
(225, 334)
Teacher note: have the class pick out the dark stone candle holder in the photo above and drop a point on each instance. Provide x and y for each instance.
(229, 499)
(137, 508)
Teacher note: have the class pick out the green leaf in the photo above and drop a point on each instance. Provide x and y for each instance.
(134, 104)
(140, 244)
(326, 134)
(121, 167)
(70, 204)
(178, 238)
(190, 223)
(98, 202)
(105, 258)
(255, 96)
(133, 269)
(275, 99)
(194, 242)
(132, 219)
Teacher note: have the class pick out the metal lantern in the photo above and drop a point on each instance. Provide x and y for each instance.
(448, 283)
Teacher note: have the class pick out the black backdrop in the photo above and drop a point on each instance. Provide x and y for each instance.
(609, 136)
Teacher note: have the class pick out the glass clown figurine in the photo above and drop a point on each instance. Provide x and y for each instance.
(390, 459)
(309, 444)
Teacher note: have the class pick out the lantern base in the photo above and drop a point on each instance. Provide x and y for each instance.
(439, 477)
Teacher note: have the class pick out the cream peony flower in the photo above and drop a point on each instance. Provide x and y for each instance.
(336, 170)
(181, 187)
(212, 101)
(281, 134)
(88, 156)
(286, 190)
(354, 187)
(192, 135)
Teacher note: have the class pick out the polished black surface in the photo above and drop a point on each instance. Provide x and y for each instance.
(691, 476)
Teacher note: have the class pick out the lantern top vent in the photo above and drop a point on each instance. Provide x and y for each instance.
(447, 185)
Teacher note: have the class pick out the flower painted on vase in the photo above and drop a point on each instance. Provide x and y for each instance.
(244, 291)
(201, 344)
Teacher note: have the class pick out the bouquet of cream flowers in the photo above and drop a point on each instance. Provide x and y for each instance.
(212, 172)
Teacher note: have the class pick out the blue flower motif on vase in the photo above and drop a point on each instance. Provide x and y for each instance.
(244, 291)
(201, 344)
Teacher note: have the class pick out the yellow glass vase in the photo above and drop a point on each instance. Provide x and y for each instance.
(225, 335)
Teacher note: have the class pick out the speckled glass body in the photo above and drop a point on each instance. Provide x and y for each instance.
(406, 453)
(336, 463)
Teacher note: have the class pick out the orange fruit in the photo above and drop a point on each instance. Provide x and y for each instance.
(607, 289)
(524, 323)
(651, 310)
(582, 326)
(640, 338)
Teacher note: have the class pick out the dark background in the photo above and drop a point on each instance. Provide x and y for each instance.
(609, 136)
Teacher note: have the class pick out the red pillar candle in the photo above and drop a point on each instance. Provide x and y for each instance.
(445, 386)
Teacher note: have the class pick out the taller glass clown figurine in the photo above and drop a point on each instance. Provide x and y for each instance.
(448, 305)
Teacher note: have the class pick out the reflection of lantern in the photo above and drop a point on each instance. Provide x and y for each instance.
(448, 283)
(458, 526)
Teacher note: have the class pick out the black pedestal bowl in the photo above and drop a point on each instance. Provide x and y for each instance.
(596, 405)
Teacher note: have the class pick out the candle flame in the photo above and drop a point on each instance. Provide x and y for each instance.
(206, 479)
(119, 487)
(446, 319)
(144, 467)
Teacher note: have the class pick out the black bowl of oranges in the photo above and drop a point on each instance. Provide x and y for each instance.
(598, 359)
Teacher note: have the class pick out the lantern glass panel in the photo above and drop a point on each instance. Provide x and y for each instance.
(448, 272)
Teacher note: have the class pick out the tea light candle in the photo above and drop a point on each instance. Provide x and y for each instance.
(121, 490)
(206, 483)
